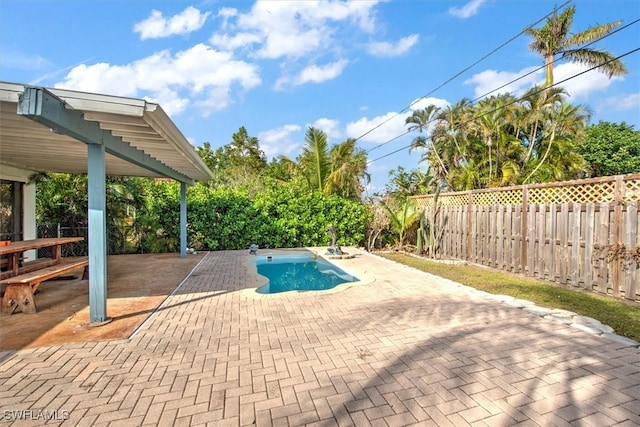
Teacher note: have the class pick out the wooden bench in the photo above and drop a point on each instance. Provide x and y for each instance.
(4, 262)
(28, 267)
(20, 289)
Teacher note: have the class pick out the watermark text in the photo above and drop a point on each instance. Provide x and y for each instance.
(35, 415)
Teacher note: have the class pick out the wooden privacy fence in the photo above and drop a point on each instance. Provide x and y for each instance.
(580, 233)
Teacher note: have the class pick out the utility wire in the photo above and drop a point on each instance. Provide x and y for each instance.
(510, 82)
(552, 62)
(388, 119)
(519, 99)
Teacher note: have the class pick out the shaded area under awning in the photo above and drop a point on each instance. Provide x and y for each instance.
(55, 130)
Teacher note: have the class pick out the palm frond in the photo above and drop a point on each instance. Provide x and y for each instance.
(315, 158)
(592, 33)
(608, 63)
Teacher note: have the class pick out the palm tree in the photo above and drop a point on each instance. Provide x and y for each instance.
(314, 160)
(467, 177)
(348, 175)
(420, 120)
(495, 115)
(340, 170)
(554, 40)
(403, 215)
(532, 108)
(451, 131)
(408, 183)
(567, 123)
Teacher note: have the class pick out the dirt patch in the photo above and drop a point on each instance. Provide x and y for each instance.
(136, 286)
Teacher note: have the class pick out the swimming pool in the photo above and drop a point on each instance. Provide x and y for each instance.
(301, 272)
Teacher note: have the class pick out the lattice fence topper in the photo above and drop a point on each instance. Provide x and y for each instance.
(599, 190)
(450, 199)
(585, 193)
(632, 190)
(504, 197)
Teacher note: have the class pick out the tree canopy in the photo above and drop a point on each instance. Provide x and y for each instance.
(340, 169)
(611, 149)
(503, 140)
(238, 164)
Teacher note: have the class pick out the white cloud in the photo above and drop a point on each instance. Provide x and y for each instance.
(299, 33)
(227, 12)
(577, 86)
(387, 127)
(278, 134)
(313, 74)
(295, 45)
(382, 129)
(207, 75)
(489, 80)
(318, 74)
(467, 10)
(295, 29)
(157, 26)
(280, 141)
(169, 100)
(422, 103)
(101, 78)
(388, 49)
(629, 102)
(583, 85)
(233, 42)
(329, 126)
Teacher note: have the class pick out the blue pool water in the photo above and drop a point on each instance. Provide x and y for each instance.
(299, 273)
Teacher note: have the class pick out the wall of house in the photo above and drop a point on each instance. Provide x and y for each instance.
(29, 203)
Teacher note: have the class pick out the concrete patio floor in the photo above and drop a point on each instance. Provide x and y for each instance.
(401, 348)
(137, 285)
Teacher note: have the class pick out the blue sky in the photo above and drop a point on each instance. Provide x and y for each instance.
(278, 67)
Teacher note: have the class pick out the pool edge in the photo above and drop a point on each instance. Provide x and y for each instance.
(347, 265)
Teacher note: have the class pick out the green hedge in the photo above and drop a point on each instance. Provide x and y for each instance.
(281, 217)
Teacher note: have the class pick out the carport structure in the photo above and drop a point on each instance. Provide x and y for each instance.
(55, 130)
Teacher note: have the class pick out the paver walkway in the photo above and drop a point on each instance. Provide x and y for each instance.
(405, 349)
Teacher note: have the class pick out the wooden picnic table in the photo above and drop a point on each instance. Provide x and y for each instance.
(15, 250)
(23, 281)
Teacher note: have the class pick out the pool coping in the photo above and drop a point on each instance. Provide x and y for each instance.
(348, 265)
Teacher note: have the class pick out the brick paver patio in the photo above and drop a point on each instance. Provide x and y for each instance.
(404, 349)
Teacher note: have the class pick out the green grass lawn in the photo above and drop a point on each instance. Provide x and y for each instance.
(623, 317)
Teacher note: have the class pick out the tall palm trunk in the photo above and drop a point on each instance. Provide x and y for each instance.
(548, 63)
(319, 176)
(532, 138)
(552, 138)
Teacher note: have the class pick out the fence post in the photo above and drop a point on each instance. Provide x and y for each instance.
(617, 238)
(469, 225)
(523, 229)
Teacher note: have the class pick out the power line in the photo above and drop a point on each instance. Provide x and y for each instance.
(387, 142)
(518, 99)
(463, 71)
(510, 82)
(552, 62)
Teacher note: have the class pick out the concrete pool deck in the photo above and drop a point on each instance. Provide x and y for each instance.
(402, 348)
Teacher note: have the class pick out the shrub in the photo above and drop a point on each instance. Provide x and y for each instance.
(284, 216)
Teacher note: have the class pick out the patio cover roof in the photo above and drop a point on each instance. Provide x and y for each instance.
(140, 138)
(55, 130)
